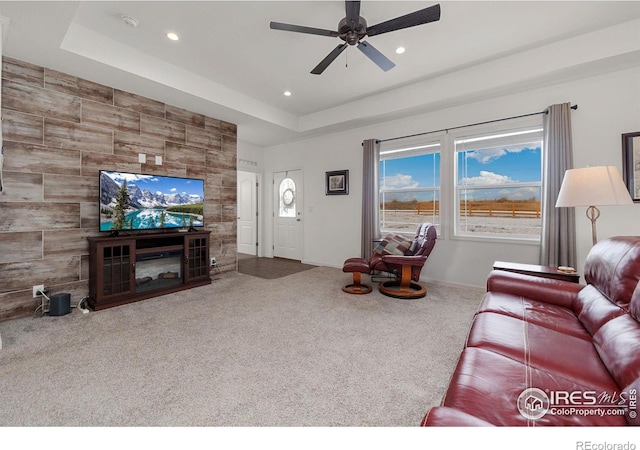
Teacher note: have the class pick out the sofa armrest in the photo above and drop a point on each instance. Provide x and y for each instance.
(443, 416)
(403, 260)
(547, 290)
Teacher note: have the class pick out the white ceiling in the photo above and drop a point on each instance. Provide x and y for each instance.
(229, 64)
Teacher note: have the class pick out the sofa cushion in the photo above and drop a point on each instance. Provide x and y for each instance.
(393, 244)
(594, 309)
(552, 351)
(544, 314)
(555, 292)
(487, 385)
(618, 344)
(634, 304)
(613, 266)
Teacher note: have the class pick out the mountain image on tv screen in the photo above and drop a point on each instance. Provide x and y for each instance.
(130, 201)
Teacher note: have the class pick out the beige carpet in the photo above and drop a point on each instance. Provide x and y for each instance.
(244, 351)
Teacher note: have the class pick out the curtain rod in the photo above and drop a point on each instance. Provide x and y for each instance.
(546, 111)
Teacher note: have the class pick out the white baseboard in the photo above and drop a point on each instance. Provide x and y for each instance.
(480, 289)
(313, 263)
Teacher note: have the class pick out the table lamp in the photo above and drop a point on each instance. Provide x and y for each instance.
(592, 187)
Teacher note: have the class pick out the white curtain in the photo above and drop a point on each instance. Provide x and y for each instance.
(370, 200)
(558, 240)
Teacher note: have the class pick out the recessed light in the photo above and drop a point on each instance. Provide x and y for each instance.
(173, 36)
(400, 50)
(287, 93)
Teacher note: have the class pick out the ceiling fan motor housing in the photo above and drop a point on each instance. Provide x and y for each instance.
(352, 34)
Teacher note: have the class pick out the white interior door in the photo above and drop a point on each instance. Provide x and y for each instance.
(287, 216)
(248, 213)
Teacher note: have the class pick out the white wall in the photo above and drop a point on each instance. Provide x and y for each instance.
(608, 105)
(331, 223)
(250, 157)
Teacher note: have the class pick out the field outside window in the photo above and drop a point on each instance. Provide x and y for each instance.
(409, 188)
(498, 184)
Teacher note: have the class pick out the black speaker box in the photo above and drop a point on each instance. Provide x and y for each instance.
(60, 304)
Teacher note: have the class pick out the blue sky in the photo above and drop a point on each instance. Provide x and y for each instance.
(522, 165)
(416, 171)
(166, 185)
(486, 167)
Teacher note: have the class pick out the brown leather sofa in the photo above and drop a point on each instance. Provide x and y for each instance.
(550, 352)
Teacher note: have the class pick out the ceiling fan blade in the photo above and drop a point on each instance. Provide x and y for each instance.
(329, 59)
(430, 14)
(301, 29)
(353, 12)
(374, 55)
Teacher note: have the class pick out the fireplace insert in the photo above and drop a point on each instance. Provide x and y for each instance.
(158, 270)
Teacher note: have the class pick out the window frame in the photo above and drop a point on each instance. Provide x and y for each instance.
(416, 146)
(530, 123)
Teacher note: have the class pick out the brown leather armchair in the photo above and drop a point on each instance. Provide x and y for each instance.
(406, 268)
(405, 261)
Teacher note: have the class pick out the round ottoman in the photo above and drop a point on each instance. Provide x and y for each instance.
(356, 266)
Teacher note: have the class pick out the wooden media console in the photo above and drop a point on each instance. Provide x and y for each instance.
(126, 269)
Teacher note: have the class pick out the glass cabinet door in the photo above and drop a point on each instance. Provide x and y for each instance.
(197, 258)
(116, 269)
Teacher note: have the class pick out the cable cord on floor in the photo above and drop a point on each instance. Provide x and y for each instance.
(43, 304)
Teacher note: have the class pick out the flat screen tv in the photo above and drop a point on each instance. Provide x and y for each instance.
(133, 201)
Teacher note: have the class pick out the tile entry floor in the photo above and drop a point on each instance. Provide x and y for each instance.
(269, 268)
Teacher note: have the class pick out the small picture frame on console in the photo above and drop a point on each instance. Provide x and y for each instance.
(631, 163)
(337, 182)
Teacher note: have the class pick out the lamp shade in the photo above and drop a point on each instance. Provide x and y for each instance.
(593, 186)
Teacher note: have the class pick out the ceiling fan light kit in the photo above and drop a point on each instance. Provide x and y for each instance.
(353, 29)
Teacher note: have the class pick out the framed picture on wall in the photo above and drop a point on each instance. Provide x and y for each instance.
(631, 163)
(337, 182)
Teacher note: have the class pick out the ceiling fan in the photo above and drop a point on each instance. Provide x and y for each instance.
(353, 28)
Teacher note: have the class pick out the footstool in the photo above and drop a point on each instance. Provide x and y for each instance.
(357, 266)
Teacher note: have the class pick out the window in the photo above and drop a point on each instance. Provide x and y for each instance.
(498, 184)
(481, 183)
(409, 187)
(287, 198)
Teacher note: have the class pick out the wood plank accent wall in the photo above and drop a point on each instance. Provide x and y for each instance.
(59, 131)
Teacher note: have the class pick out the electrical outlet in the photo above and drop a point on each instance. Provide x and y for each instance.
(213, 262)
(37, 289)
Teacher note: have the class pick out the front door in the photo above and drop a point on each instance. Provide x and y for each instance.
(287, 222)
(248, 213)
